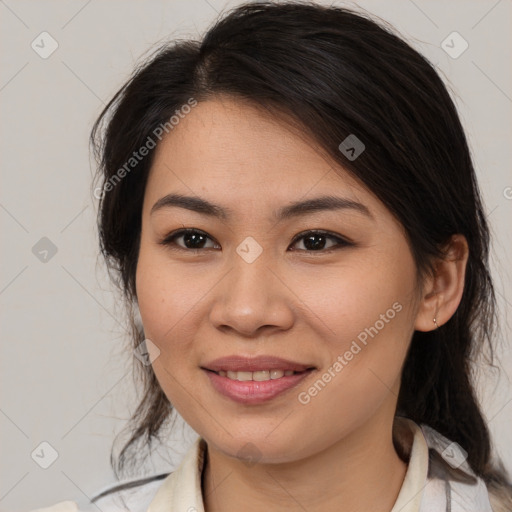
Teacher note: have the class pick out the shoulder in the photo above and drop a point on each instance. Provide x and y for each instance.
(439, 477)
(133, 495)
(137, 495)
(450, 473)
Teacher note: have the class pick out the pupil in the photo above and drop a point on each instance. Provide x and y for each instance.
(192, 239)
(313, 245)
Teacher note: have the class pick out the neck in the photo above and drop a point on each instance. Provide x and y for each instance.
(358, 473)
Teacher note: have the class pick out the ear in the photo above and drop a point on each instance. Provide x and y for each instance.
(443, 291)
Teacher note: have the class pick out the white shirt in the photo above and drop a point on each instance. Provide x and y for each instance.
(438, 479)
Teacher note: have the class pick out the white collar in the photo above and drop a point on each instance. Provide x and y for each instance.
(181, 490)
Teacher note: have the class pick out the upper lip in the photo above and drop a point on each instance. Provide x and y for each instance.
(251, 364)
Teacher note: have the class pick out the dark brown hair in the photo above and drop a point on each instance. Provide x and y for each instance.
(335, 72)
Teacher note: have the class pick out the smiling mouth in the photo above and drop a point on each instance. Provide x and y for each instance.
(259, 375)
(255, 387)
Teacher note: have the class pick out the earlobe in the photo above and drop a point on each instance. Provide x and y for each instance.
(444, 289)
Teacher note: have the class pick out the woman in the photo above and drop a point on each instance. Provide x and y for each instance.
(291, 207)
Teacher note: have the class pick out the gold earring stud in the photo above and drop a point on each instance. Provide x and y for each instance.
(435, 323)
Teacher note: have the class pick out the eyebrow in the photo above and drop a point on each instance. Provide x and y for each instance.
(295, 209)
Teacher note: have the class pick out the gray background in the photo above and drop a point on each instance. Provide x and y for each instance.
(65, 372)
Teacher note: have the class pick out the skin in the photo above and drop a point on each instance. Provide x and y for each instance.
(336, 451)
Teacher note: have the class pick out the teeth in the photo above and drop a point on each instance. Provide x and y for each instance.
(276, 374)
(259, 376)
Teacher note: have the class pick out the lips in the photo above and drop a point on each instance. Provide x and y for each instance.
(245, 380)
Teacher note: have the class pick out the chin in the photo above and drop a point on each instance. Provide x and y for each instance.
(254, 448)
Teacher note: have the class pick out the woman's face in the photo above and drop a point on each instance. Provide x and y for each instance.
(255, 282)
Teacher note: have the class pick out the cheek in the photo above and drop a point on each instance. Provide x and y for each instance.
(165, 317)
(359, 296)
(172, 298)
(163, 296)
(369, 312)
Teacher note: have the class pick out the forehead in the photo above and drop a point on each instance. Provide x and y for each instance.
(235, 150)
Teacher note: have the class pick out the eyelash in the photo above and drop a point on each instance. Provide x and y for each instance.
(168, 241)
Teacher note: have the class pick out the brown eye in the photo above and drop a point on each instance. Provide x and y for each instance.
(318, 241)
(192, 239)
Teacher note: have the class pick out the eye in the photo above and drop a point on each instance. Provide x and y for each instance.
(316, 240)
(192, 239)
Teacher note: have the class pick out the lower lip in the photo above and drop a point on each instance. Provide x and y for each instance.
(254, 392)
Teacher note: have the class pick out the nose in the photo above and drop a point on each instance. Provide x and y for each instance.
(252, 300)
